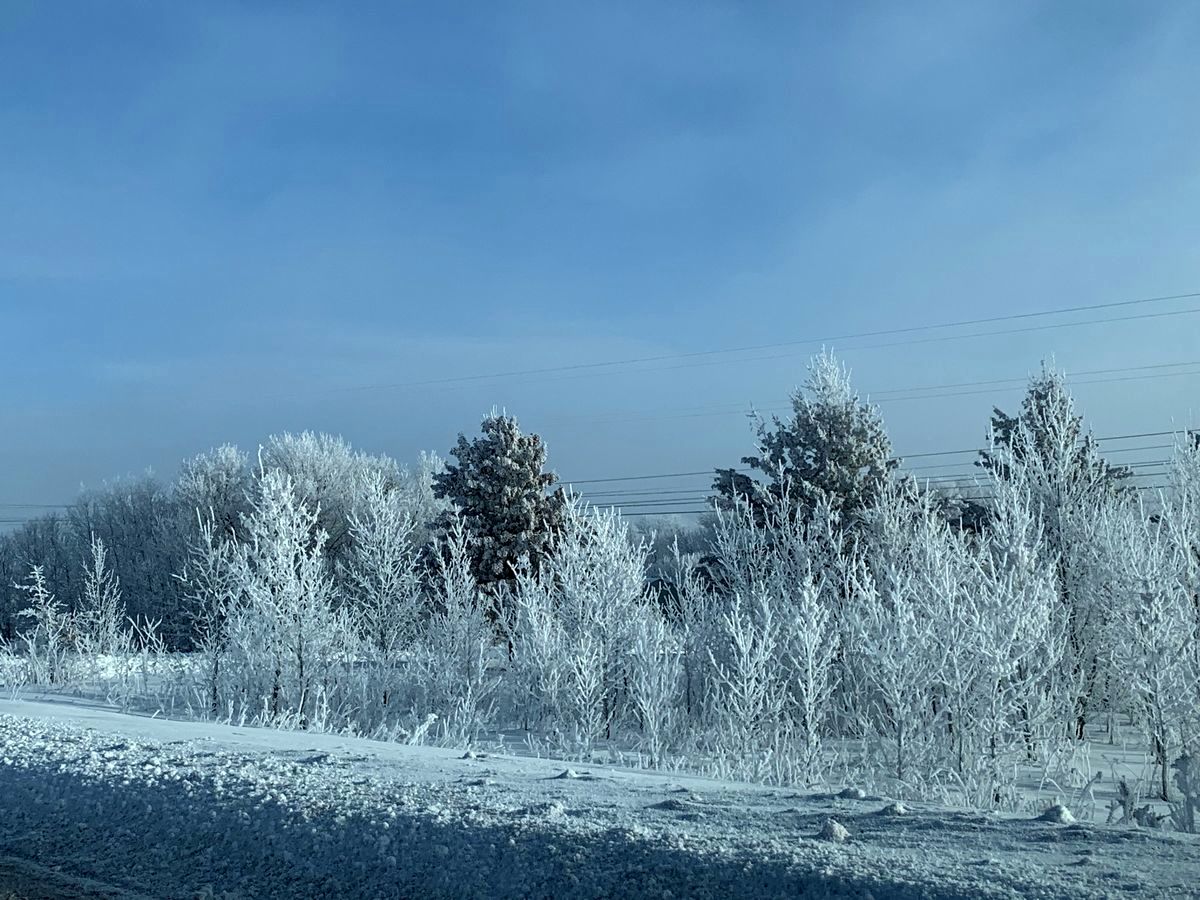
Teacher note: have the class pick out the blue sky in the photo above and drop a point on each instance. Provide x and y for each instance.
(222, 220)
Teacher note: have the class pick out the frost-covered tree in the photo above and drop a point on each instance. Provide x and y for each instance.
(212, 591)
(9, 594)
(694, 608)
(100, 617)
(289, 629)
(1182, 514)
(1154, 592)
(1047, 455)
(50, 543)
(48, 637)
(572, 625)
(415, 492)
(329, 477)
(383, 573)
(1153, 627)
(216, 486)
(902, 593)
(503, 494)
(667, 537)
(1005, 694)
(834, 449)
(953, 642)
(776, 640)
(145, 538)
(655, 681)
(454, 644)
(1187, 778)
(1048, 435)
(749, 688)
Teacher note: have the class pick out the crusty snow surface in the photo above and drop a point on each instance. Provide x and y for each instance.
(94, 803)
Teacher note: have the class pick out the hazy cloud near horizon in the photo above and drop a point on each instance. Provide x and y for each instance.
(222, 222)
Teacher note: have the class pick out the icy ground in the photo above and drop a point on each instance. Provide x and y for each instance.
(94, 803)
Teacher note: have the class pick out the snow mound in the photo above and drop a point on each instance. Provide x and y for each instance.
(833, 831)
(572, 775)
(1058, 814)
(552, 810)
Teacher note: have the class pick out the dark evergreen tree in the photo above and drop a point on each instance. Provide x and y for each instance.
(504, 497)
(1049, 434)
(834, 445)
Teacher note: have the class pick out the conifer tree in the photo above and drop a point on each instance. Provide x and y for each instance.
(504, 497)
(834, 448)
(1049, 434)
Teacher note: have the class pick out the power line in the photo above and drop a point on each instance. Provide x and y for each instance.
(644, 477)
(1016, 384)
(703, 510)
(638, 496)
(938, 475)
(673, 496)
(929, 454)
(745, 469)
(634, 504)
(972, 464)
(656, 492)
(962, 323)
(1142, 487)
(1025, 379)
(666, 512)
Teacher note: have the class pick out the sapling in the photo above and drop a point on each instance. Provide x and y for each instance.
(100, 617)
(47, 642)
(211, 593)
(655, 678)
(1152, 626)
(383, 580)
(455, 645)
(290, 621)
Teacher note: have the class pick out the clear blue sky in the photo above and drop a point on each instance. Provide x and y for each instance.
(214, 217)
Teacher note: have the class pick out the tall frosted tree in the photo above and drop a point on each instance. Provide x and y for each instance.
(1048, 434)
(216, 485)
(1045, 452)
(329, 477)
(504, 496)
(833, 449)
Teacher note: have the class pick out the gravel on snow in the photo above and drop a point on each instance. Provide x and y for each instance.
(127, 806)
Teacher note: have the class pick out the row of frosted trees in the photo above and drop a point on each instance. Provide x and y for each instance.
(147, 525)
(882, 642)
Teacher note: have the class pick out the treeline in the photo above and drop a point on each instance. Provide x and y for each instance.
(147, 526)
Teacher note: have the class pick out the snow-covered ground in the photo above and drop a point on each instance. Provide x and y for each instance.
(98, 803)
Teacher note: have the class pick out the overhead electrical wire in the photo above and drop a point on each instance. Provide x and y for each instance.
(935, 476)
(901, 457)
(613, 364)
(727, 409)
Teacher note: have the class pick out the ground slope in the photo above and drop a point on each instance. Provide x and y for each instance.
(99, 804)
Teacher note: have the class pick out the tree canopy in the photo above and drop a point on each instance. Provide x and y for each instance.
(834, 447)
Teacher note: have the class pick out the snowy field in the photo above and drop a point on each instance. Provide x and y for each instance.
(102, 804)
